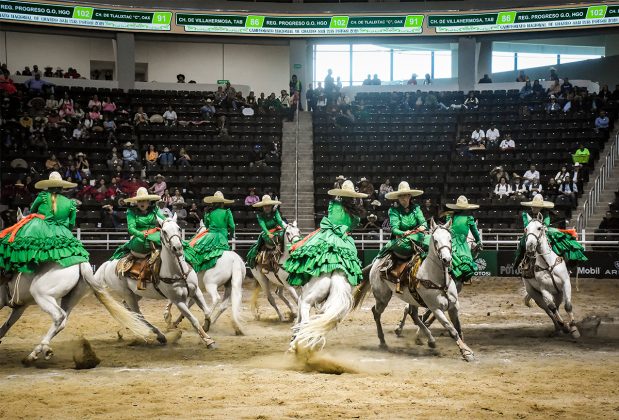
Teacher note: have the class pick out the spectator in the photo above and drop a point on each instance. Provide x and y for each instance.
(36, 85)
(485, 79)
(184, 158)
(568, 191)
(163, 205)
(295, 85)
(338, 84)
(427, 80)
(78, 112)
(286, 103)
(535, 187)
(552, 190)
(208, 109)
(51, 103)
(566, 87)
(252, 198)
(339, 181)
(114, 162)
(109, 217)
(180, 78)
(497, 173)
(375, 80)
(526, 90)
(177, 199)
(581, 155)
(94, 102)
(110, 128)
(384, 188)
(602, 123)
(74, 173)
(151, 157)
(554, 76)
(519, 191)
(366, 187)
(26, 72)
(310, 96)
(562, 175)
(329, 84)
(170, 116)
(530, 176)
(413, 80)
(576, 175)
(194, 215)
(140, 118)
(555, 89)
(167, 158)
(493, 135)
(66, 106)
(522, 77)
(160, 186)
(130, 186)
(538, 89)
(471, 102)
(502, 189)
(507, 144)
(52, 163)
(6, 84)
(94, 114)
(82, 164)
(429, 209)
(478, 136)
(553, 105)
(130, 157)
(108, 105)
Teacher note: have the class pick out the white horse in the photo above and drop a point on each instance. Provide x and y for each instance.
(57, 290)
(551, 282)
(179, 282)
(278, 279)
(435, 289)
(229, 271)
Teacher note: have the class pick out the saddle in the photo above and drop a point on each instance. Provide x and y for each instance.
(403, 272)
(268, 258)
(142, 269)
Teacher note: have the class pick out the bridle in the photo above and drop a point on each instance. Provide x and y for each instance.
(550, 268)
(167, 242)
(294, 239)
(437, 248)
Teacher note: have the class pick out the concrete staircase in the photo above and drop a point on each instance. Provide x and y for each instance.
(305, 217)
(607, 195)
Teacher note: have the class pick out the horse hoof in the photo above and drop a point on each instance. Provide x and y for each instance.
(574, 332)
(398, 332)
(161, 339)
(207, 325)
(48, 353)
(238, 333)
(212, 346)
(432, 344)
(29, 360)
(383, 346)
(468, 357)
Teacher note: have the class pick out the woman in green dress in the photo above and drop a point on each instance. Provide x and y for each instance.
(272, 225)
(211, 244)
(142, 224)
(563, 243)
(45, 235)
(331, 247)
(407, 225)
(463, 266)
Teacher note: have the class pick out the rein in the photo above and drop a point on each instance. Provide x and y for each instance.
(549, 268)
(429, 284)
(184, 274)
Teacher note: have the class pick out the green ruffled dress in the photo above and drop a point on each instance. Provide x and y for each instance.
(269, 223)
(563, 244)
(463, 266)
(401, 221)
(45, 240)
(328, 249)
(210, 247)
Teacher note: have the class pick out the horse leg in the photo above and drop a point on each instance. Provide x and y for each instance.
(428, 318)
(14, 316)
(539, 300)
(423, 327)
(567, 291)
(201, 302)
(48, 305)
(211, 290)
(550, 302)
(266, 285)
(131, 302)
(382, 295)
(167, 315)
(184, 309)
(466, 352)
(407, 312)
(280, 293)
(455, 320)
(312, 293)
(223, 305)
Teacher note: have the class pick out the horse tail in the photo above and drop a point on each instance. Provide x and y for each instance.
(126, 318)
(362, 288)
(311, 334)
(238, 274)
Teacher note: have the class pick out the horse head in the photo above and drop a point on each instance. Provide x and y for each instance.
(292, 234)
(441, 241)
(171, 235)
(534, 232)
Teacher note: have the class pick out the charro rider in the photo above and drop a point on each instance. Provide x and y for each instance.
(563, 243)
(210, 244)
(272, 225)
(331, 247)
(45, 235)
(408, 226)
(463, 266)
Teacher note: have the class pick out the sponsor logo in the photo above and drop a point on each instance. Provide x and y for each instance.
(589, 271)
(509, 270)
(481, 266)
(611, 272)
(616, 264)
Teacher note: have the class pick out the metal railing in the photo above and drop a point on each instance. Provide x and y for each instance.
(604, 173)
(296, 162)
(493, 240)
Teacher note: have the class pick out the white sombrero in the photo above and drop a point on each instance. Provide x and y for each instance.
(538, 201)
(218, 197)
(142, 195)
(462, 203)
(54, 181)
(266, 201)
(403, 189)
(347, 190)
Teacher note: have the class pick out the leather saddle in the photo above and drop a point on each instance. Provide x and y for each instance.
(143, 269)
(403, 272)
(268, 257)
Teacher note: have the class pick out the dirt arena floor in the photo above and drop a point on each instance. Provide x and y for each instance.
(520, 371)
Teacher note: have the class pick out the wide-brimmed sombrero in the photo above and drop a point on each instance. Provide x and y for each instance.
(462, 203)
(403, 189)
(218, 197)
(538, 201)
(266, 201)
(347, 190)
(142, 195)
(54, 181)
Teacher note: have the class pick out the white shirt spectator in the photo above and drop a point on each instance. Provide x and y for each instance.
(493, 134)
(77, 133)
(530, 175)
(503, 190)
(478, 135)
(562, 176)
(170, 115)
(507, 144)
